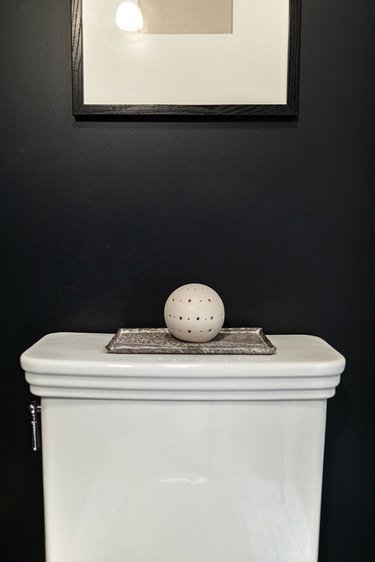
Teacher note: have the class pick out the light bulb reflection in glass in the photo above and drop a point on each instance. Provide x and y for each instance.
(129, 16)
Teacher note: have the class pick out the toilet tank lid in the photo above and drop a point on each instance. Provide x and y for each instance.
(74, 365)
(67, 353)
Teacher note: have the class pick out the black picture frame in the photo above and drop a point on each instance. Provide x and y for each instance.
(290, 109)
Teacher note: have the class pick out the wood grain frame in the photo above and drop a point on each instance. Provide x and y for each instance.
(290, 109)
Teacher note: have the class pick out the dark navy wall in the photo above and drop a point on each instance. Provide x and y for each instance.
(100, 221)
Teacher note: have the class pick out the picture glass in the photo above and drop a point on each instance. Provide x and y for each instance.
(188, 52)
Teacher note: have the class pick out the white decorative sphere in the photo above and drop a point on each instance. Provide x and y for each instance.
(194, 312)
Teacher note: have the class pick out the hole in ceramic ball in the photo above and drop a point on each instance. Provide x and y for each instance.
(210, 330)
(189, 300)
(212, 317)
(197, 317)
(180, 317)
(209, 300)
(189, 331)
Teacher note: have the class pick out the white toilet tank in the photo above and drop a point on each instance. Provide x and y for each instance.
(182, 458)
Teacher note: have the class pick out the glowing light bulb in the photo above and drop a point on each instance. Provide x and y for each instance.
(129, 16)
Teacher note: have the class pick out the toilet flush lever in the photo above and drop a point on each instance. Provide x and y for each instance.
(34, 411)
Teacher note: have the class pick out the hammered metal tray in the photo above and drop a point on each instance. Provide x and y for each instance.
(229, 341)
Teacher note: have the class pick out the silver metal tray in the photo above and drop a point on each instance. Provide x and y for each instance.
(229, 341)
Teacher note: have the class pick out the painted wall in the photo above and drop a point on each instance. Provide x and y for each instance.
(101, 220)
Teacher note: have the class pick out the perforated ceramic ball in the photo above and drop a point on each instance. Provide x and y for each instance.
(194, 313)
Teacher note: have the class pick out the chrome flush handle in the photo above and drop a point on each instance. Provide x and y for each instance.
(34, 411)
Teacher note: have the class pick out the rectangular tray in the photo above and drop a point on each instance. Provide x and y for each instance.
(229, 341)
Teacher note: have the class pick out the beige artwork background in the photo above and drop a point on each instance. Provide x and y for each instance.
(187, 16)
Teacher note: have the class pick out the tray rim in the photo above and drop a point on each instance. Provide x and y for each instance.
(265, 347)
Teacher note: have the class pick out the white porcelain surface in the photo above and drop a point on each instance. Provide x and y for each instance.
(208, 459)
(182, 482)
(194, 312)
(77, 365)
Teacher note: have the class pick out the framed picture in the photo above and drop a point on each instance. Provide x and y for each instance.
(186, 57)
